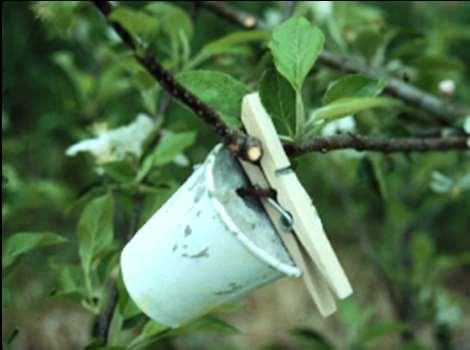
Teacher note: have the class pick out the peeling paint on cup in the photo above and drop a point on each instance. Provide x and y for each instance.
(205, 247)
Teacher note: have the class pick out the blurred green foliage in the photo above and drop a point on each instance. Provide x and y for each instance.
(68, 78)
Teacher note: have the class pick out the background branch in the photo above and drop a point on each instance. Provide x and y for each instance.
(397, 88)
(230, 14)
(106, 315)
(379, 144)
(239, 18)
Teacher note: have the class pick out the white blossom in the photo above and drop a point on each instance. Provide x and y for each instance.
(116, 144)
(447, 87)
(342, 125)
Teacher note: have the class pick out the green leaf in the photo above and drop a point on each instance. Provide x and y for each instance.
(126, 314)
(423, 250)
(210, 322)
(441, 183)
(80, 80)
(376, 162)
(151, 332)
(310, 339)
(348, 106)
(126, 306)
(278, 97)
(295, 46)
(371, 44)
(354, 85)
(153, 328)
(95, 230)
(150, 97)
(170, 145)
(449, 262)
(374, 332)
(219, 90)
(136, 22)
(156, 198)
(69, 281)
(23, 242)
(227, 42)
(61, 17)
(120, 171)
(354, 316)
(368, 175)
(144, 80)
(233, 39)
(172, 20)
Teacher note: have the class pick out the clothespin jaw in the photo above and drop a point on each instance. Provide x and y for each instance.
(308, 245)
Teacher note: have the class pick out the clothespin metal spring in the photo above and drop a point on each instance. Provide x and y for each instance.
(286, 218)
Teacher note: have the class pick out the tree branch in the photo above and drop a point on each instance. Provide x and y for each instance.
(408, 93)
(236, 141)
(231, 14)
(397, 88)
(105, 317)
(239, 18)
(379, 144)
(249, 148)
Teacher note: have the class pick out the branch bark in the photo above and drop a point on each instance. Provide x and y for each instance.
(379, 144)
(249, 148)
(105, 317)
(239, 18)
(443, 110)
(230, 14)
(236, 140)
(397, 88)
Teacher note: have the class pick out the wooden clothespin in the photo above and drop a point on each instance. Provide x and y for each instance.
(307, 243)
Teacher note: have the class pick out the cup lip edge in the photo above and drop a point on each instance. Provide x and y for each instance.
(290, 270)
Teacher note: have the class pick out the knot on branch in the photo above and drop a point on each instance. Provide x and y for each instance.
(246, 147)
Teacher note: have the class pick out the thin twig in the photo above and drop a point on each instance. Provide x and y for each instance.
(137, 208)
(379, 144)
(235, 139)
(105, 317)
(240, 18)
(438, 132)
(444, 110)
(407, 300)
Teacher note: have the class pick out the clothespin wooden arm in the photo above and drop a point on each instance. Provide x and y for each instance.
(315, 283)
(292, 197)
